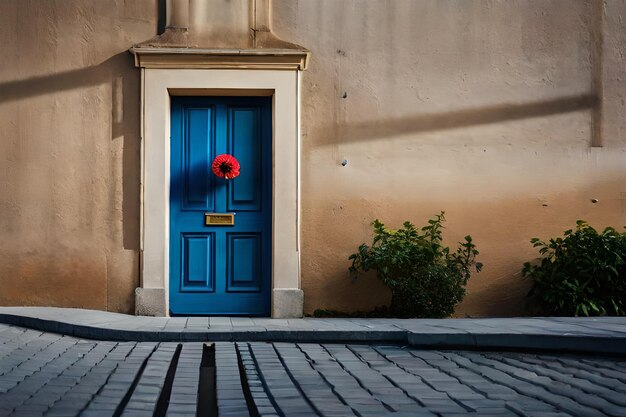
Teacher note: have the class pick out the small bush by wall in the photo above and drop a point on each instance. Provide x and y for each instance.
(581, 273)
(426, 279)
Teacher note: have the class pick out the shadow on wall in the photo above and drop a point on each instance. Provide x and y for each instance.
(124, 78)
(377, 129)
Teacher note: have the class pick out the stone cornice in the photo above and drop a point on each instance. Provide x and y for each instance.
(200, 58)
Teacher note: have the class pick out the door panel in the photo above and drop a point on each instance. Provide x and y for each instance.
(198, 267)
(244, 259)
(198, 149)
(245, 193)
(221, 270)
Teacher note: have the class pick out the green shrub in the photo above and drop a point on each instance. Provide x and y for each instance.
(582, 273)
(426, 279)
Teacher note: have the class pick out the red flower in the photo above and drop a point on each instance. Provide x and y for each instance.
(225, 166)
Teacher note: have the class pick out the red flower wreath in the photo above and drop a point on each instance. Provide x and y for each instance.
(225, 166)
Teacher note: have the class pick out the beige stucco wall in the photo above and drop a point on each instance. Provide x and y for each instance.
(462, 106)
(69, 151)
(483, 109)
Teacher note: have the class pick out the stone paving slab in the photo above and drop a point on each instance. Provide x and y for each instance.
(45, 374)
(598, 334)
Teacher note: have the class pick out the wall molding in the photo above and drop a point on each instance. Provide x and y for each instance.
(190, 58)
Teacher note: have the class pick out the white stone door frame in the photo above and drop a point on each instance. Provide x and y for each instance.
(158, 85)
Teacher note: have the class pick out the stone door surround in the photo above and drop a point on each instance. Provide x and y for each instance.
(159, 83)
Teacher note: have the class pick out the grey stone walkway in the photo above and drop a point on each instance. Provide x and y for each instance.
(45, 374)
(595, 335)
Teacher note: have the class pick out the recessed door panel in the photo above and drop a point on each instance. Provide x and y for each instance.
(244, 142)
(198, 267)
(244, 262)
(198, 152)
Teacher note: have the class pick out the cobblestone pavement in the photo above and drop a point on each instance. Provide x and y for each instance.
(45, 374)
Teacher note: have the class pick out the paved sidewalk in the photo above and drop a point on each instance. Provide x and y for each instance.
(595, 335)
(46, 374)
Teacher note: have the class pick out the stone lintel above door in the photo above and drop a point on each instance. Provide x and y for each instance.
(171, 58)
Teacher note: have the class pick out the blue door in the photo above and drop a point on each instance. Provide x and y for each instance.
(220, 229)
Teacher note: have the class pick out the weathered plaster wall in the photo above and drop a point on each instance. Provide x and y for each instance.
(483, 109)
(479, 108)
(69, 151)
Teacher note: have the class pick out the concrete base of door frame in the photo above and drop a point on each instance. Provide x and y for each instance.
(287, 303)
(150, 302)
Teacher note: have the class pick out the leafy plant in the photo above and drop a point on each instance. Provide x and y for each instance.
(425, 277)
(581, 273)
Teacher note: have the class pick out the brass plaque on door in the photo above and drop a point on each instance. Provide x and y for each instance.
(219, 219)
